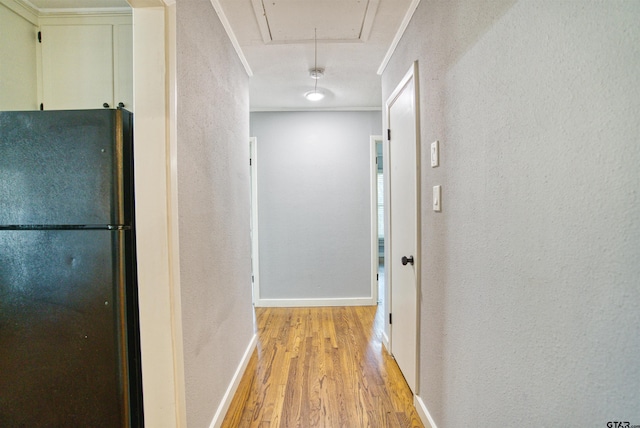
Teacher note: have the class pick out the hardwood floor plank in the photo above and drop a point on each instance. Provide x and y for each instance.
(321, 367)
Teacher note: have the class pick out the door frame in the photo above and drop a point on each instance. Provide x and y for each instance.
(255, 253)
(411, 75)
(373, 163)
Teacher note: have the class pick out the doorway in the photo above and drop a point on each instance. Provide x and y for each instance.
(377, 216)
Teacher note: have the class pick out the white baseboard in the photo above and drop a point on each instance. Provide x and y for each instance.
(425, 417)
(233, 386)
(385, 342)
(304, 303)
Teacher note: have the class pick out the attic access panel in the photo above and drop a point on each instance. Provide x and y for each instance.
(291, 21)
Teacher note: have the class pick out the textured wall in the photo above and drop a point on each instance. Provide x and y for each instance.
(531, 275)
(18, 78)
(314, 203)
(213, 197)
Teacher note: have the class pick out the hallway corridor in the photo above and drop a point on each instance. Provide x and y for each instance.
(321, 367)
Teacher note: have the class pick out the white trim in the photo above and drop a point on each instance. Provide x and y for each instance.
(234, 41)
(424, 414)
(33, 12)
(369, 17)
(394, 44)
(385, 342)
(97, 11)
(311, 40)
(263, 25)
(386, 150)
(410, 74)
(374, 213)
(144, 4)
(160, 334)
(279, 109)
(255, 241)
(172, 220)
(305, 303)
(218, 418)
(23, 9)
(418, 265)
(97, 19)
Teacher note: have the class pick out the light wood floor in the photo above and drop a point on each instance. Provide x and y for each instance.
(321, 367)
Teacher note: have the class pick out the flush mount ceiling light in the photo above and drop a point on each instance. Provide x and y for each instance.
(315, 73)
(314, 95)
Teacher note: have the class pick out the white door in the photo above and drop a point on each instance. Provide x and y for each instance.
(403, 233)
(77, 66)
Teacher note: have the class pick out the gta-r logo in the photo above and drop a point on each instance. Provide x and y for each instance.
(616, 424)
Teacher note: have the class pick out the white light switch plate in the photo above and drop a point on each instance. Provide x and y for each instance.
(435, 154)
(437, 194)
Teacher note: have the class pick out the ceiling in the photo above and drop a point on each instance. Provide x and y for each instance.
(275, 39)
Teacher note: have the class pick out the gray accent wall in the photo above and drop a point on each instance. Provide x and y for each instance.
(530, 291)
(314, 203)
(214, 207)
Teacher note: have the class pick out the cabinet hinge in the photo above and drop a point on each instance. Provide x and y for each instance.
(390, 318)
(41, 106)
(377, 277)
(250, 162)
(389, 134)
(252, 278)
(39, 36)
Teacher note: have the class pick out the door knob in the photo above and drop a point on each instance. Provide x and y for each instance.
(406, 260)
(105, 105)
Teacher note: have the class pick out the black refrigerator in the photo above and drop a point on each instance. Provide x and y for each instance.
(69, 333)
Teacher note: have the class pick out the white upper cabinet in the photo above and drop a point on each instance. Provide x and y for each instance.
(65, 59)
(86, 66)
(77, 66)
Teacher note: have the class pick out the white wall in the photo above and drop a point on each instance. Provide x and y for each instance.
(531, 275)
(213, 197)
(18, 70)
(314, 205)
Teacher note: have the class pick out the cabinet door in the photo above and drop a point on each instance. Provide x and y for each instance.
(77, 66)
(18, 69)
(124, 66)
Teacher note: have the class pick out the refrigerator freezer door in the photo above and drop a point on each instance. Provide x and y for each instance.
(62, 168)
(61, 329)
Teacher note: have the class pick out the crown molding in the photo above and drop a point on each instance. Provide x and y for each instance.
(32, 13)
(149, 3)
(96, 11)
(394, 44)
(234, 41)
(22, 8)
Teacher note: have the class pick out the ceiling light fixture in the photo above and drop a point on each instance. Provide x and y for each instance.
(314, 95)
(315, 73)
